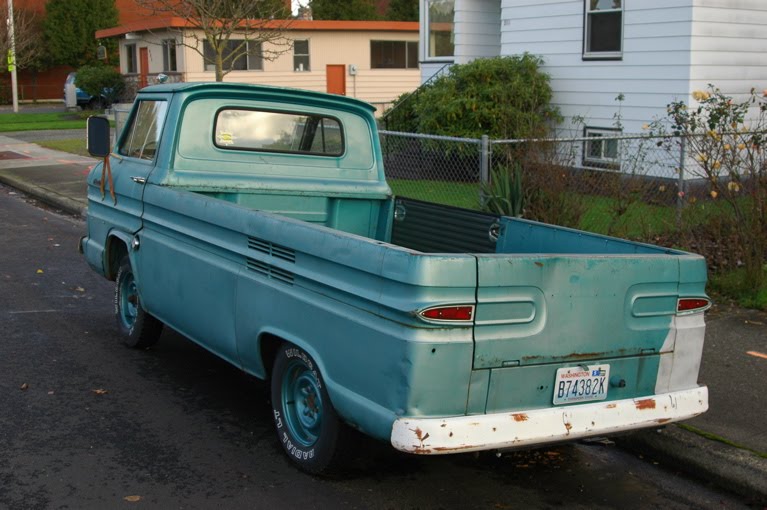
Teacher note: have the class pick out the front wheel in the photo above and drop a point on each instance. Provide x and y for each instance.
(308, 427)
(137, 328)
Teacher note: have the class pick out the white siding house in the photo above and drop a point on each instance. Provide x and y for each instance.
(650, 52)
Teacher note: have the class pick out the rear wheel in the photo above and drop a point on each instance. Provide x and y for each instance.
(310, 431)
(137, 327)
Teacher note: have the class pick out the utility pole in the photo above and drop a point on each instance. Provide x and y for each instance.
(12, 59)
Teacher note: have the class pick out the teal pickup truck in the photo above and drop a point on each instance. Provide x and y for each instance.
(257, 222)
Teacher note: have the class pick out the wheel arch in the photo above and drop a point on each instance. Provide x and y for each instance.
(116, 248)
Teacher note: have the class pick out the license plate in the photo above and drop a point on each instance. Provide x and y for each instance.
(581, 384)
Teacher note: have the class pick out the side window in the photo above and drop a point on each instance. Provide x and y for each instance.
(143, 134)
(278, 132)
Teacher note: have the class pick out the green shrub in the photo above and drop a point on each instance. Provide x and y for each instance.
(100, 81)
(502, 97)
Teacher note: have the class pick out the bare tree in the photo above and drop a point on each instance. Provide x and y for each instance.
(232, 29)
(27, 33)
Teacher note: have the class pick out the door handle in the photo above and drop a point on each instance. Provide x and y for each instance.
(138, 180)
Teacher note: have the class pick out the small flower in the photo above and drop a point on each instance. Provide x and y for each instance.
(698, 95)
(645, 126)
(662, 188)
(764, 93)
(733, 186)
(693, 200)
(727, 146)
(680, 194)
(716, 165)
(741, 146)
(702, 158)
(714, 194)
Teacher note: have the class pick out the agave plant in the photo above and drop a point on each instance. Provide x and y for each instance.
(503, 194)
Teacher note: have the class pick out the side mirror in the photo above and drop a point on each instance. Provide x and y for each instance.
(99, 137)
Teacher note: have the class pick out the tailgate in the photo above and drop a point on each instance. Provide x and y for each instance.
(542, 309)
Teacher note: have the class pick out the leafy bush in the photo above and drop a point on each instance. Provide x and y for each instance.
(101, 81)
(727, 142)
(502, 97)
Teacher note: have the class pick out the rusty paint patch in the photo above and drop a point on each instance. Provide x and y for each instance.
(569, 427)
(450, 435)
(643, 405)
(519, 417)
(663, 420)
(420, 435)
(612, 406)
(443, 425)
(453, 448)
(539, 264)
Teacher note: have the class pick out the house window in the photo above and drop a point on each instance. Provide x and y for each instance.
(439, 22)
(301, 55)
(238, 55)
(169, 55)
(130, 52)
(601, 148)
(394, 54)
(603, 29)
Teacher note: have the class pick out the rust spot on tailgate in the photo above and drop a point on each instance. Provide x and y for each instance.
(453, 448)
(568, 426)
(648, 403)
(520, 417)
(663, 420)
(539, 264)
(612, 406)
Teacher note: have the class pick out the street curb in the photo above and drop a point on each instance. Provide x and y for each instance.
(45, 195)
(731, 468)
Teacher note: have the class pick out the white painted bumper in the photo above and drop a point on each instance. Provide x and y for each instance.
(435, 436)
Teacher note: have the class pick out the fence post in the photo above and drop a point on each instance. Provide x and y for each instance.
(681, 192)
(484, 166)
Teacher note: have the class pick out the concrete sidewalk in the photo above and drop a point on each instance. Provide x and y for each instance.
(727, 445)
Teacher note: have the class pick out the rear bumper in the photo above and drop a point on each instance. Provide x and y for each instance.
(435, 436)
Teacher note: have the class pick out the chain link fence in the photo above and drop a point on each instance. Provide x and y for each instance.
(631, 185)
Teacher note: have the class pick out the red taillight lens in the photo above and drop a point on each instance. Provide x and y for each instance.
(691, 305)
(449, 313)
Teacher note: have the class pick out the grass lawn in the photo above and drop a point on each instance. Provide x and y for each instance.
(72, 145)
(40, 121)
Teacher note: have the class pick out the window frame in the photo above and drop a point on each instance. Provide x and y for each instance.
(588, 13)
(233, 147)
(427, 57)
(408, 46)
(246, 57)
(167, 46)
(308, 56)
(129, 132)
(602, 162)
(131, 57)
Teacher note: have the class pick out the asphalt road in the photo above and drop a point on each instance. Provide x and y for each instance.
(87, 423)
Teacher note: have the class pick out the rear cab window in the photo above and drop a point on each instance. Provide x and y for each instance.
(283, 132)
(142, 137)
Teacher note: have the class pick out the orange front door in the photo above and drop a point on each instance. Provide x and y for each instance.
(336, 78)
(143, 60)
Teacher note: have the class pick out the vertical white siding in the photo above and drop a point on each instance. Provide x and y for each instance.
(477, 29)
(729, 45)
(654, 69)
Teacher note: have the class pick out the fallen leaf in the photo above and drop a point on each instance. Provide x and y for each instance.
(39, 271)
(24, 387)
(132, 499)
(100, 391)
(79, 289)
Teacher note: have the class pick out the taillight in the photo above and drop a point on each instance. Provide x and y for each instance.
(692, 305)
(460, 313)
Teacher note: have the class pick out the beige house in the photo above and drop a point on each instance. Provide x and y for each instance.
(375, 61)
